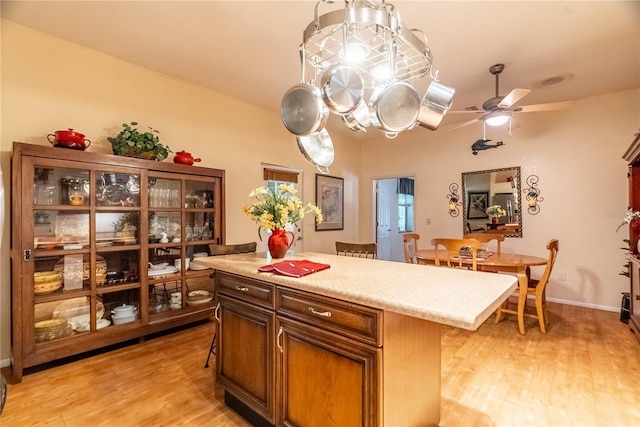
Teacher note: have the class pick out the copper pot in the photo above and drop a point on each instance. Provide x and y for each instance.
(69, 139)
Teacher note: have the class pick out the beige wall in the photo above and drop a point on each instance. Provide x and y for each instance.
(49, 84)
(577, 155)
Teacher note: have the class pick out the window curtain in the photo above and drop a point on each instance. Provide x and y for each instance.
(280, 175)
(405, 186)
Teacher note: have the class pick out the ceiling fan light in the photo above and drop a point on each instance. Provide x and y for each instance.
(497, 119)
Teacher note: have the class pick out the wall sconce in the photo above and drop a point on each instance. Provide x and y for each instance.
(454, 200)
(533, 195)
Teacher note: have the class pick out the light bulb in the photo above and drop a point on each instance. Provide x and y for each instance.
(354, 52)
(497, 120)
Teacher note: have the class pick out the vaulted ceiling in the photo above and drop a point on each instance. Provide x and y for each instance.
(248, 49)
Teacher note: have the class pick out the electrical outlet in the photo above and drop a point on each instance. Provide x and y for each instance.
(428, 221)
(563, 276)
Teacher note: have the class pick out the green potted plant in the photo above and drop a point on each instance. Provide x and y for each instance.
(127, 224)
(131, 142)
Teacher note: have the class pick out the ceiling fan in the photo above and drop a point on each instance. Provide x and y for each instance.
(498, 110)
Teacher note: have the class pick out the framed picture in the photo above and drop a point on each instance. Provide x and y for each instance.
(476, 205)
(330, 200)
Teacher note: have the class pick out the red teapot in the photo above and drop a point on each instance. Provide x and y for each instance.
(185, 158)
(69, 139)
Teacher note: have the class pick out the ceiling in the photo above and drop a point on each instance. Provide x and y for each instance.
(248, 49)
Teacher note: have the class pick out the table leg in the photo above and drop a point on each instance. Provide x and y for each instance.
(523, 283)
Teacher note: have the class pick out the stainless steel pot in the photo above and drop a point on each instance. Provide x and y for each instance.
(394, 107)
(435, 104)
(342, 88)
(302, 110)
(318, 149)
(359, 119)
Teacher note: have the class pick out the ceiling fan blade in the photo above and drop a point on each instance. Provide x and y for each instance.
(466, 111)
(465, 124)
(512, 97)
(545, 107)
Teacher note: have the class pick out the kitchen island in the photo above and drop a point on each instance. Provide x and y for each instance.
(355, 344)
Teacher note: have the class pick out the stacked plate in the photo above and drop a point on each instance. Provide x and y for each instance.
(45, 282)
(52, 329)
(75, 311)
(199, 297)
(82, 271)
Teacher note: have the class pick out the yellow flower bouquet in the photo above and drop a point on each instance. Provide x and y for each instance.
(279, 208)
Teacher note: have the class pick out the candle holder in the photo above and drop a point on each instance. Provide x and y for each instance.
(532, 194)
(454, 200)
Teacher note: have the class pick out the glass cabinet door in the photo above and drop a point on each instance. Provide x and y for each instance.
(85, 258)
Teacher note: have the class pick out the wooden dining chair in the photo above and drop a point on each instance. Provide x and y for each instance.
(217, 250)
(486, 238)
(410, 247)
(451, 251)
(359, 250)
(537, 288)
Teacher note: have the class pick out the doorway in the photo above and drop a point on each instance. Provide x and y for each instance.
(393, 215)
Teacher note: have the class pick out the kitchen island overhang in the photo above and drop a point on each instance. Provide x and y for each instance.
(390, 336)
(454, 297)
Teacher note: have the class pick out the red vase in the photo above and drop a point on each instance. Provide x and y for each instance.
(278, 243)
(494, 220)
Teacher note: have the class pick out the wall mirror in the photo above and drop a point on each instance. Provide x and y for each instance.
(481, 189)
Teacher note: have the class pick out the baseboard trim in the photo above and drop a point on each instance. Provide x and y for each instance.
(584, 304)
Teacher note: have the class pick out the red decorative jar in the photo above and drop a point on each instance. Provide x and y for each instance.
(494, 219)
(279, 242)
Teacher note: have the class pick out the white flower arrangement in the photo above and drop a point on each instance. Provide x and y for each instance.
(495, 210)
(630, 217)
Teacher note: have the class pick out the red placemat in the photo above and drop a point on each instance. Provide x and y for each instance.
(294, 268)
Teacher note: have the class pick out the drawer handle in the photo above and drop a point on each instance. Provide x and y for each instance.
(320, 313)
(242, 289)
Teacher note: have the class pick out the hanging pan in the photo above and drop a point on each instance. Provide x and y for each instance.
(394, 107)
(359, 119)
(435, 104)
(318, 149)
(342, 88)
(302, 109)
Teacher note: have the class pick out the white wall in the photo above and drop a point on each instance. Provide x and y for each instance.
(50, 84)
(577, 154)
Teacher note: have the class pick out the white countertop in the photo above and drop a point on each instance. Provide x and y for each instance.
(459, 298)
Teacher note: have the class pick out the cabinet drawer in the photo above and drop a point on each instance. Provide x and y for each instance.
(352, 320)
(245, 289)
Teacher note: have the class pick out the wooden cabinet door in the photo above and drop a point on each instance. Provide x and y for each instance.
(634, 306)
(326, 379)
(245, 362)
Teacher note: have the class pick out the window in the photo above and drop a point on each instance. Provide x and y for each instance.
(405, 213)
(405, 204)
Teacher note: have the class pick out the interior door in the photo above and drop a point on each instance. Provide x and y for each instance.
(383, 221)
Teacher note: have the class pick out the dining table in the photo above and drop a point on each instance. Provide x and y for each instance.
(501, 262)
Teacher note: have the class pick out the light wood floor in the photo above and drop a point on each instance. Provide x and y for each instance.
(584, 372)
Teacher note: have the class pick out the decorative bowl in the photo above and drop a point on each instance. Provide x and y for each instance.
(157, 267)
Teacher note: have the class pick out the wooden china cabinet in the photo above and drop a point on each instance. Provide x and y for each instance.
(632, 156)
(99, 249)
